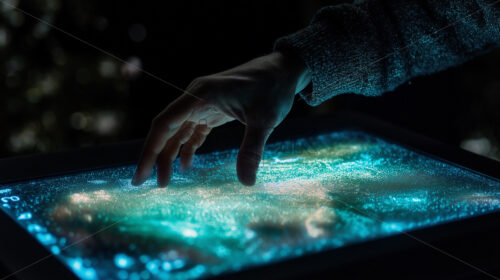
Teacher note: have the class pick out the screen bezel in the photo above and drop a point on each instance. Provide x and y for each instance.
(15, 239)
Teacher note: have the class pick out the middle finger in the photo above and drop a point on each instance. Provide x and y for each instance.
(169, 153)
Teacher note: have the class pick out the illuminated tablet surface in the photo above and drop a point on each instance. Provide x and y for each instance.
(312, 194)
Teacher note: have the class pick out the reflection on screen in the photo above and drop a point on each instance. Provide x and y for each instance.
(312, 194)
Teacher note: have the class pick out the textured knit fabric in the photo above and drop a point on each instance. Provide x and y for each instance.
(373, 46)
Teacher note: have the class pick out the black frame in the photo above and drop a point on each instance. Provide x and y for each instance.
(470, 242)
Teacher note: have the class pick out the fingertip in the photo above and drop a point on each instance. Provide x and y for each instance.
(162, 181)
(137, 180)
(183, 168)
(246, 169)
(250, 154)
(164, 172)
(185, 164)
(162, 184)
(247, 179)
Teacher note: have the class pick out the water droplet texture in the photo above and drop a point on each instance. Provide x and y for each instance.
(311, 195)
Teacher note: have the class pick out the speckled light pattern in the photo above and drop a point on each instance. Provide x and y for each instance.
(311, 195)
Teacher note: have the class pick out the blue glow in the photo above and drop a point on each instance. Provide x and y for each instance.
(46, 238)
(8, 199)
(4, 191)
(153, 266)
(123, 261)
(122, 274)
(97, 182)
(144, 258)
(24, 216)
(35, 228)
(167, 266)
(55, 250)
(278, 160)
(177, 264)
(76, 264)
(89, 273)
(312, 194)
(83, 272)
(189, 232)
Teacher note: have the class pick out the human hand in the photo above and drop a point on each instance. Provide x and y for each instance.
(259, 93)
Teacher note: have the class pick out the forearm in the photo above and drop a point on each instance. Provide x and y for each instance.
(374, 46)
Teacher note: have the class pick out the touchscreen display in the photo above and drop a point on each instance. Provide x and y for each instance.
(312, 194)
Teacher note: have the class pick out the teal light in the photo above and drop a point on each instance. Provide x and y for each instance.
(46, 238)
(55, 250)
(311, 195)
(24, 216)
(123, 261)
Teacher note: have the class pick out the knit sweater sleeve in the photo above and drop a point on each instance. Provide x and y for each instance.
(373, 46)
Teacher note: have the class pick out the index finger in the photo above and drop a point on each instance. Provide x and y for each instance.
(164, 126)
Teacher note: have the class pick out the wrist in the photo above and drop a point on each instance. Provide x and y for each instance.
(298, 70)
(304, 79)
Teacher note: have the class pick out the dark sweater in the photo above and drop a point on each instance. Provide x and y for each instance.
(373, 46)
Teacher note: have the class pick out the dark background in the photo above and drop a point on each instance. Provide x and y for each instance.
(58, 93)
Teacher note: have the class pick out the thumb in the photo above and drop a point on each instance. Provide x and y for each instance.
(250, 153)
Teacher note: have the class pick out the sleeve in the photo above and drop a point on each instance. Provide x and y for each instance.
(370, 47)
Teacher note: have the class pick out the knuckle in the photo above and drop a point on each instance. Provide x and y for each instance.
(156, 122)
(198, 139)
(205, 130)
(197, 81)
(251, 157)
(187, 152)
(202, 86)
(174, 142)
(184, 138)
(161, 122)
(196, 144)
(203, 122)
(159, 125)
(191, 145)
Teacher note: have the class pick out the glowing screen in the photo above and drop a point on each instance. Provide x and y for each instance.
(311, 195)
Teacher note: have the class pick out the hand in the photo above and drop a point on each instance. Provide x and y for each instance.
(259, 94)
